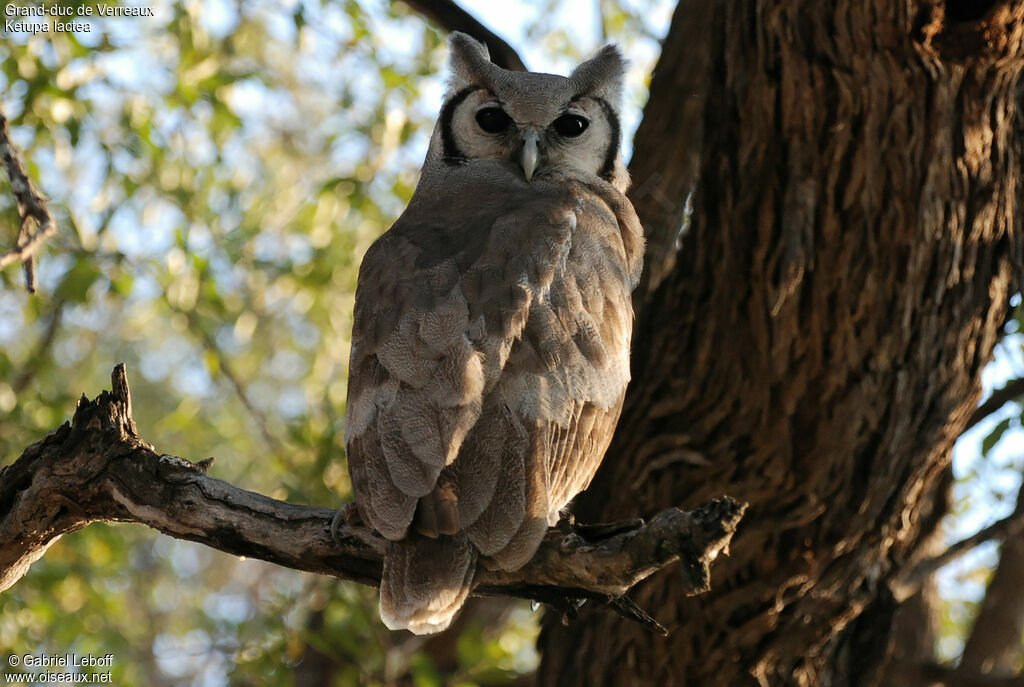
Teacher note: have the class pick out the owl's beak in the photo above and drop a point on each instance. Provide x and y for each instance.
(531, 145)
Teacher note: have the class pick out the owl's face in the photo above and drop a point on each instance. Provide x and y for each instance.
(579, 133)
(541, 123)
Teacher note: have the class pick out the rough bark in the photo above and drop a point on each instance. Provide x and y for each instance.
(914, 627)
(96, 468)
(815, 349)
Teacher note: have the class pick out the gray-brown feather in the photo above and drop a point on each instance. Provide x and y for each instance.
(490, 347)
(425, 579)
(500, 364)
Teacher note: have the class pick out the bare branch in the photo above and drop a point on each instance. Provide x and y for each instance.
(664, 166)
(450, 17)
(96, 468)
(911, 581)
(31, 206)
(1011, 391)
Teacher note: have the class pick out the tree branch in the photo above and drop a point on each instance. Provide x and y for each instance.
(664, 165)
(450, 17)
(1011, 391)
(31, 206)
(97, 468)
(911, 581)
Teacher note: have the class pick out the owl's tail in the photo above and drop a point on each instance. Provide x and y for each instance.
(426, 581)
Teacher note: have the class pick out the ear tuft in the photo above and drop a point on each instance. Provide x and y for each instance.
(469, 63)
(602, 74)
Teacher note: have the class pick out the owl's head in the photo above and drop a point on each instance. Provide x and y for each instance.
(541, 123)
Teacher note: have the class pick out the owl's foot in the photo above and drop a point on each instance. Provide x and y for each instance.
(347, 515)
(597, 531)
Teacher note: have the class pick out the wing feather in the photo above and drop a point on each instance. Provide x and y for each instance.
(572, 364)
(489, 362)
(454, 318)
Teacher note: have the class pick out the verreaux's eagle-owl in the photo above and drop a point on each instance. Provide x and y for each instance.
(490, 349)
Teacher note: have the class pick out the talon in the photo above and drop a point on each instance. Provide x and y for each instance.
(347, 514)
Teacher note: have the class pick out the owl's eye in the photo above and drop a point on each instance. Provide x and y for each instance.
(493, 120)
(570, 125)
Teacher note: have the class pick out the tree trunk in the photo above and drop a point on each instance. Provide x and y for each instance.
(815, 346)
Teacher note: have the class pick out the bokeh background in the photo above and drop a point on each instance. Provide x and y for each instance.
(217, 172)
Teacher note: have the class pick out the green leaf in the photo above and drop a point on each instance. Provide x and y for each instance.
(74, 287)
(989, 442)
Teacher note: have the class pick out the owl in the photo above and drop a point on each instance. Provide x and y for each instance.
(490, 346)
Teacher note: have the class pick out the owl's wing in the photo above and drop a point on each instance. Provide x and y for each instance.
(439, 302)
(549, 421)
(591, 311)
